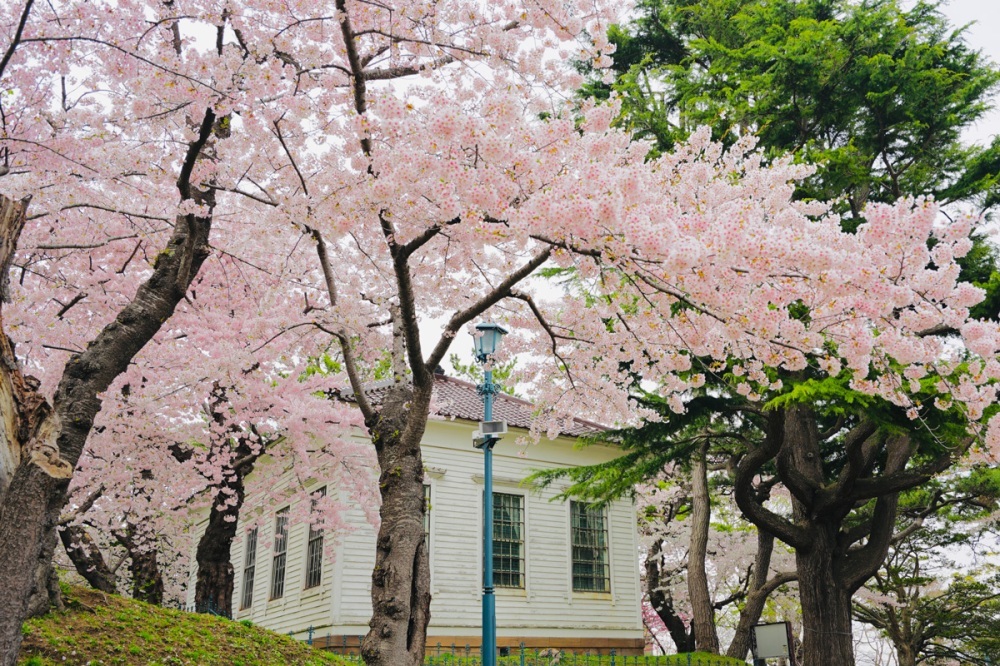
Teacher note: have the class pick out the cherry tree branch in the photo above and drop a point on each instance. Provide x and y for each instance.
(463, 317)
(553, 336)
(345, 342)
(9, 53)
(357, 71)
(115, 47)
(84, 506)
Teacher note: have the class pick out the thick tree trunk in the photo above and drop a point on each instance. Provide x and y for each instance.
(706, 639)
(905, 655)
(826, 605)
(147, 580)
(401, 578)
(213, 592)
(87, 558)
(50, 440)
(682, 637)
(26, 517)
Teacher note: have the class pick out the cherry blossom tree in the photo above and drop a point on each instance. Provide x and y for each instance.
(851, 356)
(440, 198)
(282, 130)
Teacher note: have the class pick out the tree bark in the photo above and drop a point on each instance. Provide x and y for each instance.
(213, 592)
(831, 563)
(826, 604)
(87, 558)
(706, 639)
(49, 440)
(761, 588)
(682, 637)
(401, 579)
(147, 580)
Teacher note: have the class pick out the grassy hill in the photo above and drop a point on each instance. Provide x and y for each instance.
(99, 629)
(106, 630)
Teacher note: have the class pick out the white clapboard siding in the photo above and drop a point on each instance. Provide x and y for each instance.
(341, 605)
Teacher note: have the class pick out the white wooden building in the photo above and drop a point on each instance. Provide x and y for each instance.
(567, 577)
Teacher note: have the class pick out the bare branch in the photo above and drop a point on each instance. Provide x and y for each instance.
(463, 317)
(345, 342)
(9, 53)
(84, 506)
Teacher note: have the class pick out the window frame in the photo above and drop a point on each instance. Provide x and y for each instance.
(314, 549)
(279, 554)
(604, 533)
(249, 567)
(522, 556)
(428, 499)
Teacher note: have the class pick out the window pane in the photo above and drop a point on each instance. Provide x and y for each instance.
(249, 567)
(427, 518)
(508, 540)
(314, 551)
(589, 533)
(280, 548)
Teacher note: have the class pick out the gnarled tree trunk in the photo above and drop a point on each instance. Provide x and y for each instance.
(48, 440)
(831, 561)
(213, 592)
(401, 579)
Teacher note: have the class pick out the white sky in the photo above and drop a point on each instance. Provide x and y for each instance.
(983, 34)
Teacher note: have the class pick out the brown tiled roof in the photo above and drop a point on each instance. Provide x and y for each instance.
(459, 399)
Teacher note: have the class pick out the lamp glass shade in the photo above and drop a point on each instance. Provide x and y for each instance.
(487, 343)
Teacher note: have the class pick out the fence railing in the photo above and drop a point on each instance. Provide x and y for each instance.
(207, 608)
(468, 655)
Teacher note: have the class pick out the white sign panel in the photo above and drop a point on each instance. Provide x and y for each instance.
(770, 640)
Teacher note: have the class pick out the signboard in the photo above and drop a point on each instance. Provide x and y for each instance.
(770, 641)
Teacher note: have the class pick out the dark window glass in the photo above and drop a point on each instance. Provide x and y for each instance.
(280, 553)
(589, 534)
(314, 552)
(508, 540)
(249, 567)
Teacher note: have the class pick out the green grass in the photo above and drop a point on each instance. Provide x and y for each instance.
(106, 630)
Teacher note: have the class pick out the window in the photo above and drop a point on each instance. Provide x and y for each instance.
(249, 566)
(280, 551)
(589, 538)
(314, 551)
(508, 540)
(427, 518)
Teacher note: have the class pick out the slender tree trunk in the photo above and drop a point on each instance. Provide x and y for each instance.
(706, 639)
(682, 637)
(760, 589)
(147, 580)
(826, 605)
(401, 578)
(49, 440)
(87, 558)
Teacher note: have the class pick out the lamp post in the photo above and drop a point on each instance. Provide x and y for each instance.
(487, 340)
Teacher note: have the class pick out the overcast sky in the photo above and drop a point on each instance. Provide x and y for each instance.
(984, 34)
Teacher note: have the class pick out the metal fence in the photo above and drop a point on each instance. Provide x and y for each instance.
(206, 608)
(467, 655)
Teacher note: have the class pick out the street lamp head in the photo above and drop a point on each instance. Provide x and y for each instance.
(488, 339)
